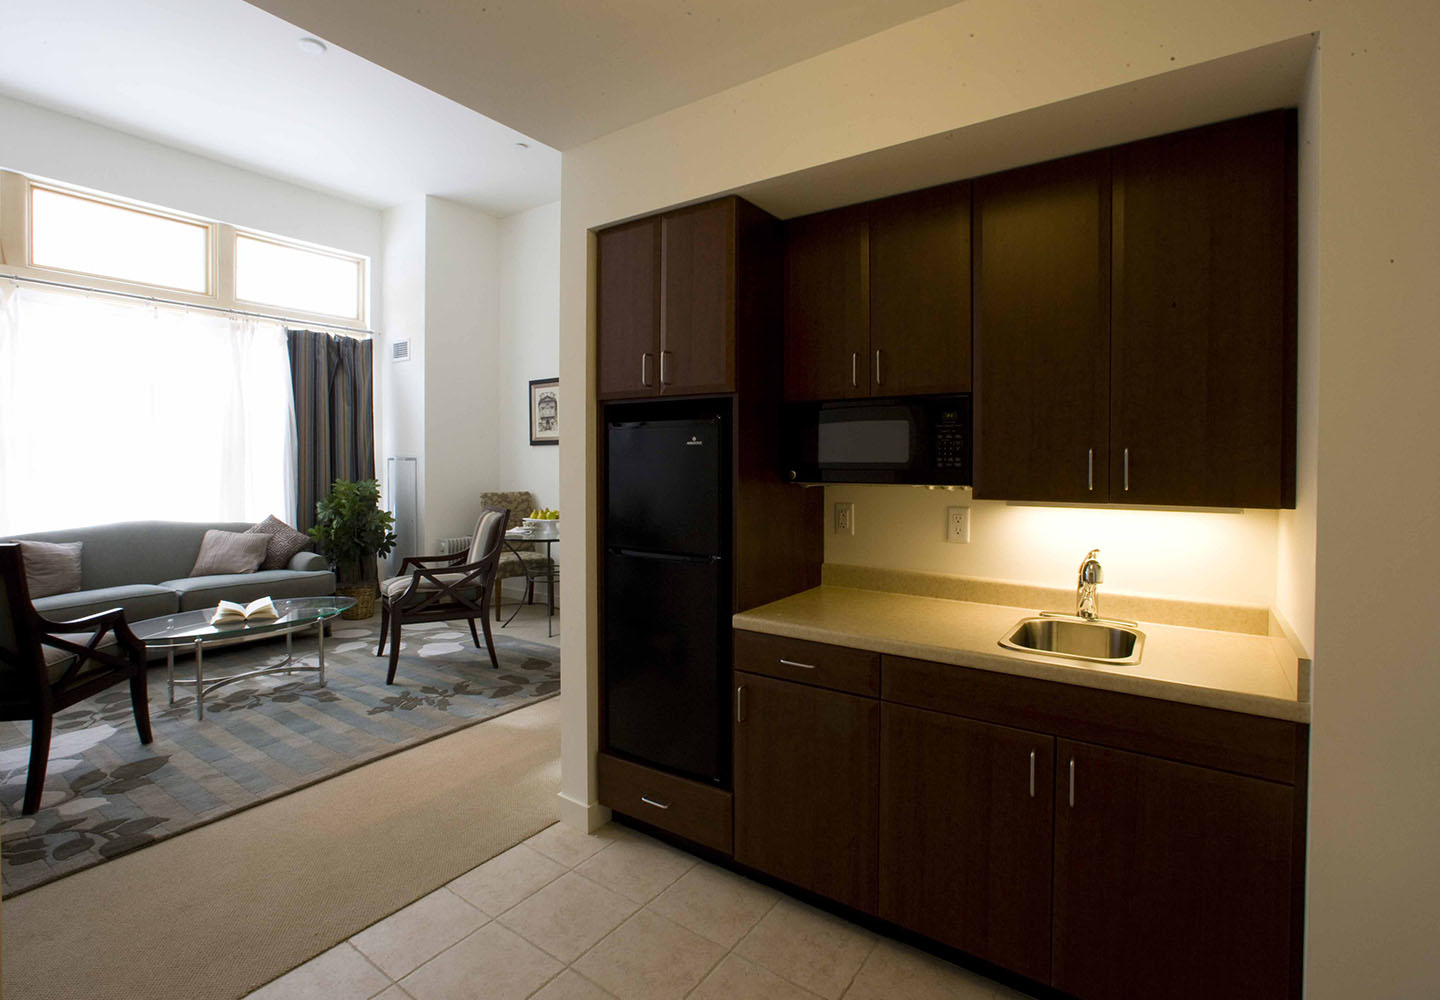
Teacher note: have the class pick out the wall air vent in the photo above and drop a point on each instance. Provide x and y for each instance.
(400, 350)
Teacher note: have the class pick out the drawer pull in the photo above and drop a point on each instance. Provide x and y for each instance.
(802, 666)
(652, 802)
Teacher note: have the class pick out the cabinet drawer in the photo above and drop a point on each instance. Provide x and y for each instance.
(834, 667)
(685, 808)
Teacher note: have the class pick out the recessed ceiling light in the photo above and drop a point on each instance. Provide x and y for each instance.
(312, 46)
(522, 145)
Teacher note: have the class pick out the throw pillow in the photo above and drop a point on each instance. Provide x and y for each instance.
(230, 552)
(285, 541)
(51, 567)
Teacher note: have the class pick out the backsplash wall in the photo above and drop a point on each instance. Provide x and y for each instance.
(1215, 556)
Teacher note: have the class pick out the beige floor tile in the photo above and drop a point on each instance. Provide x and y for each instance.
(494, 963)
(569, 846)
(715, 904)
(893, 970)
(649, 958)
(408, 938)
(341, 973)
(394, 993)
(570, 985)
(637, 867)
(506, 879)
(568, 916)
(737, 979)
(812, 949)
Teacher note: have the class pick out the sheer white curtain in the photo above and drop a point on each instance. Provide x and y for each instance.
(113, 409)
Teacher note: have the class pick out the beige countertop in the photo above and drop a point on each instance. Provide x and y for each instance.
(1229, 670)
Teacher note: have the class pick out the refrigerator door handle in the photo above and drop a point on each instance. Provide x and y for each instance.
(665, 556)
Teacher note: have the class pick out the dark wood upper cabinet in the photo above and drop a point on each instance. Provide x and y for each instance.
(697, 299)
(966, 824)
(827, 337)
(920, 292)
(807, 765)
(1170, 880)
(1202, 402)
(1041, 238)
(627, 310)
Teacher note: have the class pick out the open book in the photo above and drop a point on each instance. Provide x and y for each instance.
(257, 610)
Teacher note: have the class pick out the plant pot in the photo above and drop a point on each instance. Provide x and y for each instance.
(364, 601)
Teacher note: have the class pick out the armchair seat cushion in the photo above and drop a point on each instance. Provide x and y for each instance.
(140, 601)
(392, 588)
(57, 661)
(517, 563)
(208, 591)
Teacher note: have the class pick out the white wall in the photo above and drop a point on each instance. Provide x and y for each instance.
(37, 141)
(529, 346)
(1212, 556)
(1369, 367)
(400, 385)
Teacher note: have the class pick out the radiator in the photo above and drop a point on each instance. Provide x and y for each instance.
(459, 543)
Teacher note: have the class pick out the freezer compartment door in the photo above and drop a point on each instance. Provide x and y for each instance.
(666, 486)
(666, 661)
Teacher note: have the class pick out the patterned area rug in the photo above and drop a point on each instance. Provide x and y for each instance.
(106, 794)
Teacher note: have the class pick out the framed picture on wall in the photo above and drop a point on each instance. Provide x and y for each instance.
(545, 411)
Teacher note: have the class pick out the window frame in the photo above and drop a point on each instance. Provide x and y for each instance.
(16, 243)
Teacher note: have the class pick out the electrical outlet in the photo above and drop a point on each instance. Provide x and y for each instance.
(844, 519)
(957, 524)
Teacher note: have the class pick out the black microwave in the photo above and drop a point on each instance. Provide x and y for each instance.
(922, 440)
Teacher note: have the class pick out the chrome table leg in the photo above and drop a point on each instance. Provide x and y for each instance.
(199, 679)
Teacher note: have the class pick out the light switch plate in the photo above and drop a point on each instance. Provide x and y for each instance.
(957, 524)
(844, 519)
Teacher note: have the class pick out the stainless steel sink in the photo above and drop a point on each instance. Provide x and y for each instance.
(1097, 640)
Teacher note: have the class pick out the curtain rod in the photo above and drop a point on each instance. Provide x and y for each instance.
(289, 321)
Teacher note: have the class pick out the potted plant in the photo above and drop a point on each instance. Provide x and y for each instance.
(350, 531)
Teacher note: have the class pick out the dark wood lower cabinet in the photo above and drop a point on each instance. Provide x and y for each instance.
(1170, 880)
(807, 775)
(966, 814)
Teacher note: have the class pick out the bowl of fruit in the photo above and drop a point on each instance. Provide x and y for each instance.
(543, 523)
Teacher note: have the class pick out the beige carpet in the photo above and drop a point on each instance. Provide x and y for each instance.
(219, 911)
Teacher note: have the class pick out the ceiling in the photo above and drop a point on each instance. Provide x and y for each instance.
(567, 72)
(226, 80)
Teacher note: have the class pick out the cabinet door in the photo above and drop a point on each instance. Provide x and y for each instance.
(627, 310)
(826, 305)
(807, 767)
(1170, 880)
(1042, 331)
(966, 814)
(1202, 383)
(920, 292)
(697, 299)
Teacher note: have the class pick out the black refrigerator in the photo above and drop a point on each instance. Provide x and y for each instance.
(667, 588)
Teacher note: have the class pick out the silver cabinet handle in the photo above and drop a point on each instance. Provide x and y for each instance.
(855, 368)
(652, 802)
(645, 368)
(1072, 781)
(740, 703)
(1127, 468)
(1032, 774)
(1090, 469)
(878, 379)
(664, 368)
(802, 666)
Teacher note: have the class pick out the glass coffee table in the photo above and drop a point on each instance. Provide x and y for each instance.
(192, 630)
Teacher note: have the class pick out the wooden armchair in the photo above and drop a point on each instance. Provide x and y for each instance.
(47, 666)
(445, 588)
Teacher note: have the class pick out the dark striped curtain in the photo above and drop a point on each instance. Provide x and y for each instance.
(333, 377)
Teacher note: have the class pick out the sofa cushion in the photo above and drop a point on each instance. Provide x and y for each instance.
(225, 552)
(285, 541)
(139, 601)
(207, 591)
(51, 567)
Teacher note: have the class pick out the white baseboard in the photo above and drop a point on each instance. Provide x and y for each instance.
(582, 816)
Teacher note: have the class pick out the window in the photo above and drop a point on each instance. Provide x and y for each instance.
(55, 232)
(271, 273)
(70, 232)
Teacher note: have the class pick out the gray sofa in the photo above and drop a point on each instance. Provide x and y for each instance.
(144, 568)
